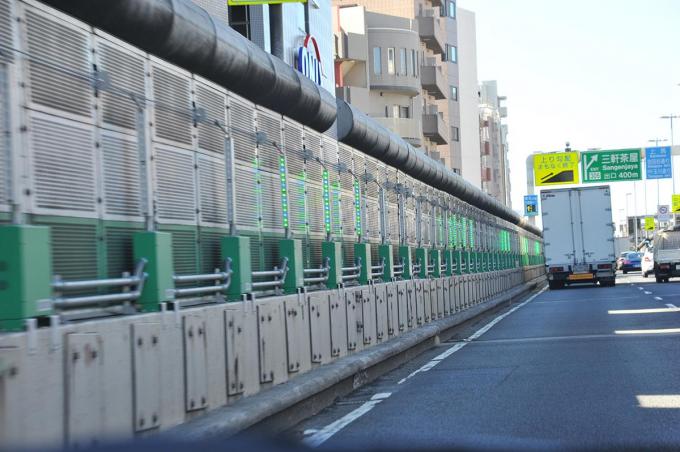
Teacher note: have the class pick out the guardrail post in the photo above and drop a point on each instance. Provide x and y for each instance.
(333, 252)
(437, 261)
(363, 251)
(385, 252)
(295, 277)
(405, 256)
(238, 250)
(156, 248)
(25, 274)
(421, 256)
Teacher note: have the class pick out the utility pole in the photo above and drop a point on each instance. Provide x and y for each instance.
(671, 118)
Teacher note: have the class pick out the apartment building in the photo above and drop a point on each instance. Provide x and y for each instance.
(397, 60)
(494, 142)
(468, 95)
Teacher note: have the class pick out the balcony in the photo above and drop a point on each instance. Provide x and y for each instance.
(407, 128)
(433, 81)
(432, 31)
(434, 126)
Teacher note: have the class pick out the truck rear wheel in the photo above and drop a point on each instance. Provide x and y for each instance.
(555, 285)
(659, 279)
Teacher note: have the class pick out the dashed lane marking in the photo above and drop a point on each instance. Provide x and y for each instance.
(658, 298)
(647, 292)
(671, 305)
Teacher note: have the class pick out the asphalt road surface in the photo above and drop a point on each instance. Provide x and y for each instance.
(582, 367)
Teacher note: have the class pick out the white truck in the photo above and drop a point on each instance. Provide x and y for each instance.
(667, 254)
(578, 235)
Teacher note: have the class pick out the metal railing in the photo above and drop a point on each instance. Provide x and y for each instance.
(378, 271)
(398, 269)
(132, 286)
(442, 268)
(430, 268)
(323, 271)
(352, 273)
(279, 275)
(417, 267)
(221, 280)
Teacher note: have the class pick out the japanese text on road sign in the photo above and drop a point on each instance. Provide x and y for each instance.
(675, 208)
(531, 205)
(611, 166)
(557, 168)
(658, 163)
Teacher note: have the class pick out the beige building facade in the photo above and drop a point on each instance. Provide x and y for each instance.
(494, 142)
(397, 60)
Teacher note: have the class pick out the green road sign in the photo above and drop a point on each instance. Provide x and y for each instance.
(611, 166)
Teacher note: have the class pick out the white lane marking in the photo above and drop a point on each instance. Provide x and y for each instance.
(316, 438)
(321, 436)
(640, 288)
(437, 359)
(658, 298)
(647, 292)
(671, 305)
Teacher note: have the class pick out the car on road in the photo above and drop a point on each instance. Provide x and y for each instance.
(647, 266)
(631, 262)
(620, 259)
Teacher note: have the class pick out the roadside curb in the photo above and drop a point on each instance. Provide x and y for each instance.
(285, 405)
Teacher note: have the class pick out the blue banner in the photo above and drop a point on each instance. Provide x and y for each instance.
(658, 163)
(530, 205)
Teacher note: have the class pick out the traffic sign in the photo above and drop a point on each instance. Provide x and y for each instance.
(649, 223)
(676, 204)
(658, 163)
(663, 213)
(611, 166)
(556, 168)
(530, 205)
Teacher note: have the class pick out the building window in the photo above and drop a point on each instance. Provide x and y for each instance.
(451, 53)
(395, 111)
(404, 112)
(454, 93)
(377, 61)
(452, 9)
(239, 19)
(414, 61)
(402, 62)
(455, 132)
(390, 60)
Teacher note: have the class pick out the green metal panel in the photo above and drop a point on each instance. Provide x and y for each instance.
(118, 237)
(157, 249)
(184, 249)
(363, 251)
(333, 251)
(238, 250)
(458, 259)
(25, 274)
(405, 256)
(437, 261)
(421, 257)
(385, 252)
(292, 249)
(209, 247)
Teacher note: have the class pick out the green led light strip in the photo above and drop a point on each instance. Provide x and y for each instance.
(326, 202)
(284, 190)
(357, 208)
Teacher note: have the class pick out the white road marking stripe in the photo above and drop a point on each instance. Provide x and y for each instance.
(319, 437)
(658, 298)
(671, 305)
(647, 292)
(640, 288)
(323, 435)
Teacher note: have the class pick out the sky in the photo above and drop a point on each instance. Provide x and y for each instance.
(596, 73)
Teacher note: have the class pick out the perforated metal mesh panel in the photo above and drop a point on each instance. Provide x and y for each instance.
(214, 103)
(270, 249)
(373, 220)
(345, 158)
(315, 251)
(271, 201)
(315, 208)
(6, 43)
(348, 254)
(176, 184)
(293, 147)
(184, 251)
(60, 59)
(172, 107)
(119, 254)
(242, 124)
(393, 219)
(125, 70)
(313, 147)
(268, 154)
(209, 247)
(74, 249)
(212, 190)
(4, 134)
(121, 169)
(63, 164)
(247, 209)
(348, 226)
(256, 262)
(296, 205)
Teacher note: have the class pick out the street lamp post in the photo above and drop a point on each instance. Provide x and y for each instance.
(671, 118)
